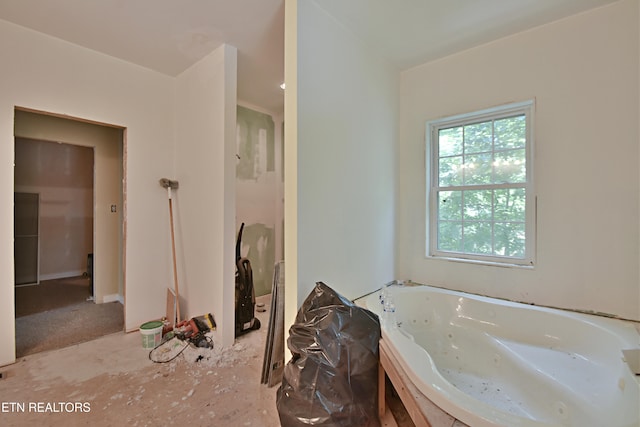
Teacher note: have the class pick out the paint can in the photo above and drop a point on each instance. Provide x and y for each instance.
(151, 333)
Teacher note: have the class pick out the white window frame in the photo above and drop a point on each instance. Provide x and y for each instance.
(432, 185)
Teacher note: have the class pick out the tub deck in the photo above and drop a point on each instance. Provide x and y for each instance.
(422, 411)
(457, 358)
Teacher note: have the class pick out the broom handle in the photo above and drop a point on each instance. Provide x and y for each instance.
(175, 267)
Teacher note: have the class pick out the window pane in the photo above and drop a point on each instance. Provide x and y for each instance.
(450, 142)
(478, 205)
(510, 133)
(510, 166)
(509, 204)
(450, 205)
(450, 171)
(479, 198)
(509, 239)
(449, 236)
(478, 137)
(477, 237)
(477, 169)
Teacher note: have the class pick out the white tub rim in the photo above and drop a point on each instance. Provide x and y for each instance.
(440, 391)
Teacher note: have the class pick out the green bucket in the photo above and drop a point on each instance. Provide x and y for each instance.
(151, 333)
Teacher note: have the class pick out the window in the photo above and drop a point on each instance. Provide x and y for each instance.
(480, 186)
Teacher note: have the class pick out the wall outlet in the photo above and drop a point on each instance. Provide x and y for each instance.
(113, 208)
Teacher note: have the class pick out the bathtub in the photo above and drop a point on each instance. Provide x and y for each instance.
(490, 362)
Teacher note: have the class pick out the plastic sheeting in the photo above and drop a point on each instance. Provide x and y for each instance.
(332, 378)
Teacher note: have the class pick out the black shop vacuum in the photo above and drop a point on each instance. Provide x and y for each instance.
(245, 294)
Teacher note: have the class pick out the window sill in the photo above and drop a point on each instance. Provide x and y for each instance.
(482, 262)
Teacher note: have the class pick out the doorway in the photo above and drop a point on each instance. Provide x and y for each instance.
(74, 167)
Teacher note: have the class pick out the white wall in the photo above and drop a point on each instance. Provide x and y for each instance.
(290, 165)
(341, 154)
(62, 174)
(44, 73)
(583, 73)
(205, 200)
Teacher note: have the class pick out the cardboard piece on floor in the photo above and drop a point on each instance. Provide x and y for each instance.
(273, 363)
(277, 352)
(171, 307)
(266, 361)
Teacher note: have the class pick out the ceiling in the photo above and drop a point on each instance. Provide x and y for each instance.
(412, 32)
(170, 35)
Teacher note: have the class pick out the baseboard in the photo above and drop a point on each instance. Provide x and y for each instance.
(61, 275)
(113, 298)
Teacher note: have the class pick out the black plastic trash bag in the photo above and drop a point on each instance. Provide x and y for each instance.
(332, 378)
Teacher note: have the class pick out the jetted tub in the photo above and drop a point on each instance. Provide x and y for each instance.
(490, 362)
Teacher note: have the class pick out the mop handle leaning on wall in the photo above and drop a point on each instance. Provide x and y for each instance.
(169, 184)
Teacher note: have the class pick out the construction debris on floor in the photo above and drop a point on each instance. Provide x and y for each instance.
(273, 363)
(112, 382)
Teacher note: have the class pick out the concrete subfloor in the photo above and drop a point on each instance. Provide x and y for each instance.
(111, 382)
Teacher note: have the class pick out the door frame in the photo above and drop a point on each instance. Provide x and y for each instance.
(120, 246)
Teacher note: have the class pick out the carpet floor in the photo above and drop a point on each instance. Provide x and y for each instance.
(56, 314)
(66, 326)
(51, 294)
